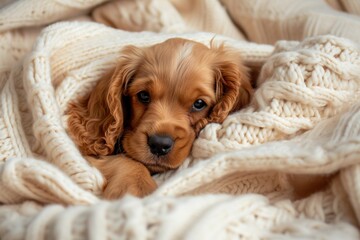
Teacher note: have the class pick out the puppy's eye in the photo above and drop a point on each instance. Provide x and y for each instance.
(198, 105)
(144, 96)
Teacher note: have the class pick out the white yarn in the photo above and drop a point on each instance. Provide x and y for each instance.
(238, 182)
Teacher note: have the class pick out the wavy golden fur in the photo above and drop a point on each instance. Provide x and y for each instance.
(155, 103)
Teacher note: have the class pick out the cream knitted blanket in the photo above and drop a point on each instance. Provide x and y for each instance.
(286, 167)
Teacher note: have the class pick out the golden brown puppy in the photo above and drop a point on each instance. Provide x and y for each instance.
(153, 105)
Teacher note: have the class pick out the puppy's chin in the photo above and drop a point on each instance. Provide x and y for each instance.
(135, 146)
(156, 168)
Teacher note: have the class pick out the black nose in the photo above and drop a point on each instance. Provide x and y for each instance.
(160, 145)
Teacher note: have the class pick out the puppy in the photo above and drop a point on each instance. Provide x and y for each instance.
(152, 107)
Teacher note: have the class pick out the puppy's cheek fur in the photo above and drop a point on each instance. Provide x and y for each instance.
(182, 150)
(135, 146)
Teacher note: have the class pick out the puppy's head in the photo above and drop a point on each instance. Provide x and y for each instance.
(158, 99)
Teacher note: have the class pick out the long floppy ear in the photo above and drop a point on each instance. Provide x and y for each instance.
(96, 121)
(232, 85)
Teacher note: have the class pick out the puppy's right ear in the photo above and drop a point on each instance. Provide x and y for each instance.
(232, 85)
(96, 120)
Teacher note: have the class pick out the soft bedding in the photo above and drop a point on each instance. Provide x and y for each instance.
(285, 167)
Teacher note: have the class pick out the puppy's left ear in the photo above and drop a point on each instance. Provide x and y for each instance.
(232, 85)
(97, 120)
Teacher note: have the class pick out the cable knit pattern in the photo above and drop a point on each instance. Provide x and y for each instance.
(167, 16)
(285, 167)
(157, 16)
(298, 87)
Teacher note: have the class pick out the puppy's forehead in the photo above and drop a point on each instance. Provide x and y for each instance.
(178, 44)
(183, 52)
(175, 51)
(176, 59)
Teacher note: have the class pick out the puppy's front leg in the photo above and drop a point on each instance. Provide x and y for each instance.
(123, 175)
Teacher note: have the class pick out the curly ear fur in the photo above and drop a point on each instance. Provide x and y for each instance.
(233, 88)
(96, 120)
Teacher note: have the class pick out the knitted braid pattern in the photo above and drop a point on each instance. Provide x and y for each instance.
(300, 85)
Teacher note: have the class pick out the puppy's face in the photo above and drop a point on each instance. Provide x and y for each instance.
(158, 99)
(172, 89)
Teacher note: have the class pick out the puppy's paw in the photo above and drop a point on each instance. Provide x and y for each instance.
(123, 176)
(132, 178)
(136, 186)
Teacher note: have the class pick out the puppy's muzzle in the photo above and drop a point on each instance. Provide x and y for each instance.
(160, 145)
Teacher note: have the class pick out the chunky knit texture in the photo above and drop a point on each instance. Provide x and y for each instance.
(285, 167)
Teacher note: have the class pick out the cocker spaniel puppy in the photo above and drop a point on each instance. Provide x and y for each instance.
(143, 117)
